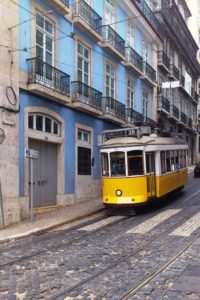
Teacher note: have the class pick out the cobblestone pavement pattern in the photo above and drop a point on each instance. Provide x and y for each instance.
(70, 256)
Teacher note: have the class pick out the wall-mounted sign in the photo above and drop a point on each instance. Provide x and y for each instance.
(30, 153)
(2, 136)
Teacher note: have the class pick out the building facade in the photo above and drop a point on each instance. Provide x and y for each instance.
(81, 67)
(9, 111)
(194, 26)
(178, 73)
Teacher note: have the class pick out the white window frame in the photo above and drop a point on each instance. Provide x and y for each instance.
(131, 99)
(111, 76)
(84, 60)
(34, 115)
(145, 51)
(131, 35)
(145, 102)
(45, 34)
(83, 133)
(110, 16)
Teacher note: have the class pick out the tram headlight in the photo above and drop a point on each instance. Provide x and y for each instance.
(118, 192)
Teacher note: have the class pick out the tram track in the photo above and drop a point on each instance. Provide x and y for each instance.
(159, 270)
(124, 258)
(61, 245)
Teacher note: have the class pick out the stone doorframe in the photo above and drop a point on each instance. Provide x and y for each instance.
(46, 137)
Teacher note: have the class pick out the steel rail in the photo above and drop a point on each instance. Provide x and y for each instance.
(124, 257)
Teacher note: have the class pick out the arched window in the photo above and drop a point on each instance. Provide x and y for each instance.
(43, 123)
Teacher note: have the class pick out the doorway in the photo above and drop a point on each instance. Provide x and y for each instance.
(44, 174)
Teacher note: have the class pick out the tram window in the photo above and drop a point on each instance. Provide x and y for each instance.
(150, 162)
(180, 159)
(117, 161)
(135, 163)
(168, 161)
(104, 164)
(163, 162)
(184, 158)
(172, 160)
(176, 159)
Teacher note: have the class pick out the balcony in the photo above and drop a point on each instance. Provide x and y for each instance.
(174, 72)
(149, 16)
(190, 123)
(47, 81)
(149, 72)
(183, 118)
(163, 61)
(86, 98)
(180, 31)
(87, 20)
(136, 118)
(196, 97)
(175, 112)
(60, 6)
(133, 60)
(113, 110)
(182, 80)
(113, 42)
(163, 104)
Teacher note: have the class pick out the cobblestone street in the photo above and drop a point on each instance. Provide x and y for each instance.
(147, 256)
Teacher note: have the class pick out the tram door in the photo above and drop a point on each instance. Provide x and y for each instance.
(150, 169)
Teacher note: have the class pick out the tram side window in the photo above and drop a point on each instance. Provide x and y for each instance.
(117, 161)
(176, 155)
(172, 160)
(163, 162)
(181, 152)
(104, 164)
(168, 164)
(135, 163)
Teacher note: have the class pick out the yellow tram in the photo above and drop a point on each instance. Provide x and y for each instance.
(137, 168)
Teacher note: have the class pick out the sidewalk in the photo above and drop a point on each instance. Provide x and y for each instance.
(49, 220)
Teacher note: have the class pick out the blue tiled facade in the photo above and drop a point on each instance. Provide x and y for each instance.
(67, 34)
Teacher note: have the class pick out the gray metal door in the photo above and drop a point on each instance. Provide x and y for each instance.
(44, 174)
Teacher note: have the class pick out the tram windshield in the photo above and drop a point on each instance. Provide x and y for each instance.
(135, 163)
(117, 162)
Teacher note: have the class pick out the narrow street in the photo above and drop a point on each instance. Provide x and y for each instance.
(116, 257)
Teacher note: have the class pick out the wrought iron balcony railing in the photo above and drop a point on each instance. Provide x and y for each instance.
(149, 71)
(113, 38)
(86, 94)
(48, 76)
(181, 32)
(196, 96)
(182, 80)
(113, 107)
(175, 111)
(163, 103)
(85, 12)
(183, 118)
(134, 58)
(148, 13)
(137, 118)
(133, 116)
(163, 58)
(174, 71)
(190, 122)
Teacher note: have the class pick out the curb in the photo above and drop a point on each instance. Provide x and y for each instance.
(44, 230)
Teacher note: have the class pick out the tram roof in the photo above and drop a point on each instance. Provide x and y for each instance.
(143, 141)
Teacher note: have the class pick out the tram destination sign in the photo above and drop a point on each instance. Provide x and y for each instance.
(125, 132)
